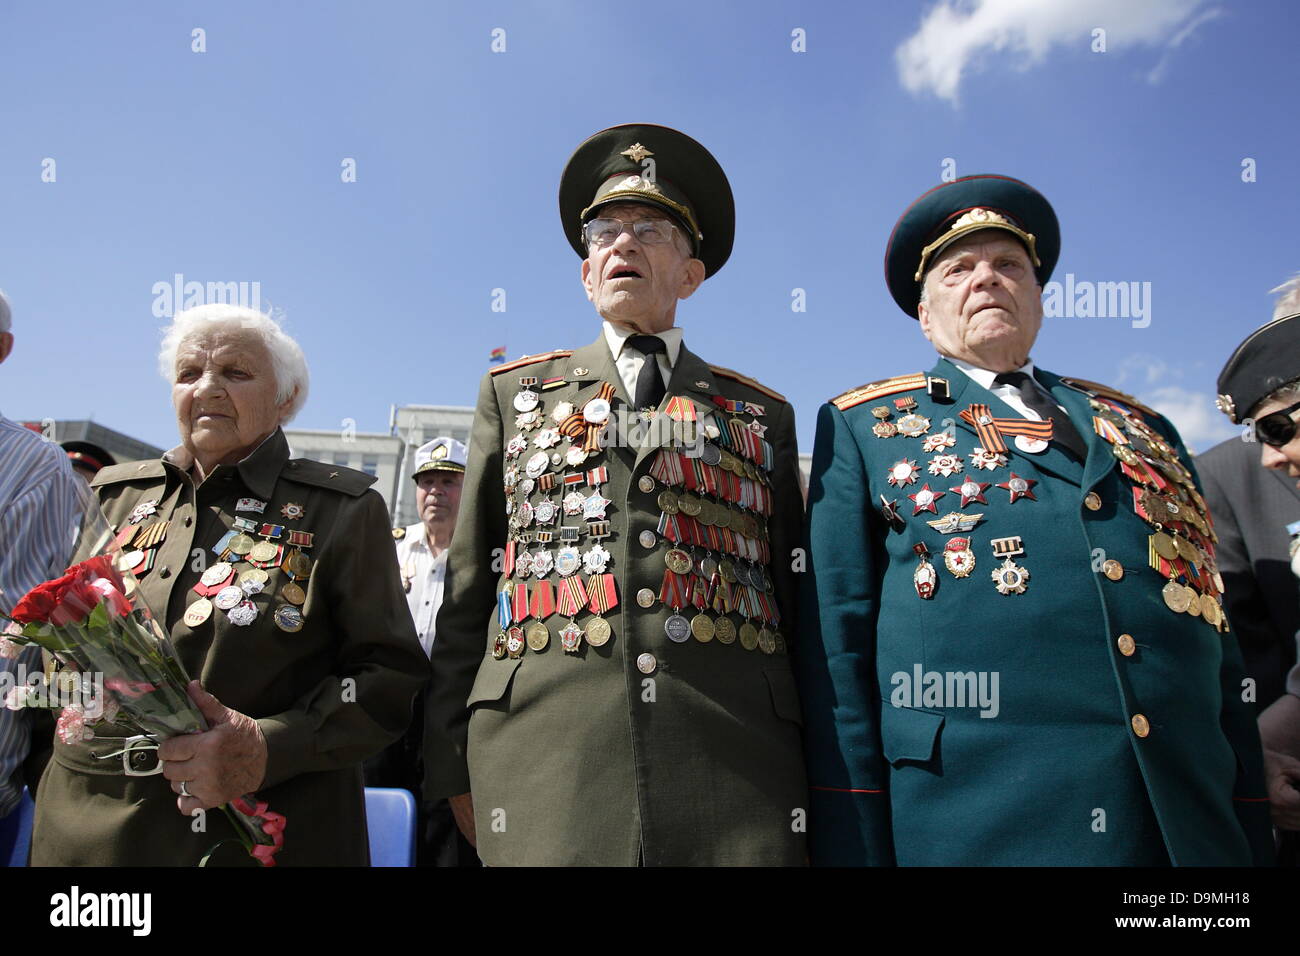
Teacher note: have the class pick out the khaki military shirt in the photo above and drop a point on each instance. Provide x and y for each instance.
(635, 746)
(327, 695)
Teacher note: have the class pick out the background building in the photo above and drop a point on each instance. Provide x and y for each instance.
(122, 447)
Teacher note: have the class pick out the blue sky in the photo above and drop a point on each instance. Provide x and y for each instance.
(225, 166)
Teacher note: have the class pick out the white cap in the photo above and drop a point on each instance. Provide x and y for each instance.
(440, 454)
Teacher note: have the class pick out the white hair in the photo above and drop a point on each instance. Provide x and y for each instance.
(201, 322)
(1288, 297)
(6, 314)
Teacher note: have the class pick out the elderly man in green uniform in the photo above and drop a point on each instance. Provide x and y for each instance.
(612, 681)
(1013, 647)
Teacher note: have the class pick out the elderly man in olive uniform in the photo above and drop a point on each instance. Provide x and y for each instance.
(1014, 650)
(612, 681)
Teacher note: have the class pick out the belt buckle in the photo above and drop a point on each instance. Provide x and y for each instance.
(139, 744)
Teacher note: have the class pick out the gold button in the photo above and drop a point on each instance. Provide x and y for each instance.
(1093, 501)
(1140, 725)
(1113, 569)
(647, 539)
(646, 663)
(645, 597)
(646, 484)
(1126, 645)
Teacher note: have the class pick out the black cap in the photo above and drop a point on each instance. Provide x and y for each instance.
(657, 166)
(85, 454)
(952, 210)
(1267, 360)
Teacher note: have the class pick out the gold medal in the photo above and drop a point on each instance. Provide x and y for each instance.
(678, 561)
(198, 612)
(1175, 597)
(299, 565)
(598, 632)
(668, 502)
(1210, 610)
(241, 544)
(1165, 545)
(1187, 551)
(766, 642)
(256, 575)
(727, 570)
(748, 636)
(702, 627)
(538, 636)
(293, 593)
(724, 630)
(263, 552)
(1193, 603)
(780, 642)
(689, 504)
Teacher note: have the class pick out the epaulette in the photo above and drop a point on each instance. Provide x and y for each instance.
(1107, 392)
(864, 393)
(531, 359)
(128, 471)
(399, 534)
(335, 477)
(746, 380)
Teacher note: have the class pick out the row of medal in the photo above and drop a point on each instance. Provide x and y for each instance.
(226, 587)
(138, 544)
(1008, 577)
(581, 428)
(1181, 548)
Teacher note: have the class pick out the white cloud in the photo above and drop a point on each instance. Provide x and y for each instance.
(1152, 381)
(956, 36)
(1193, 414)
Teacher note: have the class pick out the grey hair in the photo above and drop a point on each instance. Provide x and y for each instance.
(200, 322)
(6, 314)
(925, 291)
(1288, 297)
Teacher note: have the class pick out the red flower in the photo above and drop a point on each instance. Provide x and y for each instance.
(71, 598)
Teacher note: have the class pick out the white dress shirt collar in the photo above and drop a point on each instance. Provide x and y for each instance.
(616, 338)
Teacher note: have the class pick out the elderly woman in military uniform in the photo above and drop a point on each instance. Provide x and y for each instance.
(1259, 388)
(266, 572)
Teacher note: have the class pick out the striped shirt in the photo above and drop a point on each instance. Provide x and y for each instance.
(41, 504)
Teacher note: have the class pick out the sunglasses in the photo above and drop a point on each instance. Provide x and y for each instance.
(1277, 428)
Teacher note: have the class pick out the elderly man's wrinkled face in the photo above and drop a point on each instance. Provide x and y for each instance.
(1288, 456)
(437, 496)
(635, 284)
(983, 303)
(224, 392)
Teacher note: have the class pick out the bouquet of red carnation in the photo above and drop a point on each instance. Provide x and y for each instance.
(123, 671)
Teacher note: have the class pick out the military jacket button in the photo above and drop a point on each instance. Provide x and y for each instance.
(1126, 645)
(646, 663)
(646, 484)
(647, 539)
(645, 597)
(1113, 569)
(1140, 725)
(1093, 501)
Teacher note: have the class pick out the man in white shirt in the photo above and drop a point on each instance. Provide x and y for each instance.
(422, 556)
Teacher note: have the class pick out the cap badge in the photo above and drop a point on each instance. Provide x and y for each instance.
(636, 152)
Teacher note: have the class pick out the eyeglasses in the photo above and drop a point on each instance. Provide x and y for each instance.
(605, 232)
(1277, 428)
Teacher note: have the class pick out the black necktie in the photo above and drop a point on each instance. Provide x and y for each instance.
(1033, 395)
(649, 383)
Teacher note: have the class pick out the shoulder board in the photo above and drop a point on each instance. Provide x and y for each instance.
(130, 471)
(335, 477)
(532, 359)
(1107, 392)
(399, 534)
(864, 393)
(746, 380)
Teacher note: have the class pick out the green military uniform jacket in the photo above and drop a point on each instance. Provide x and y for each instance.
(326, 697)
(1117, 735)
(642, 749)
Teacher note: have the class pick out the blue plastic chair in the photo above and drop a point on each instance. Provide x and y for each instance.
(16, 832)
(390, 820)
